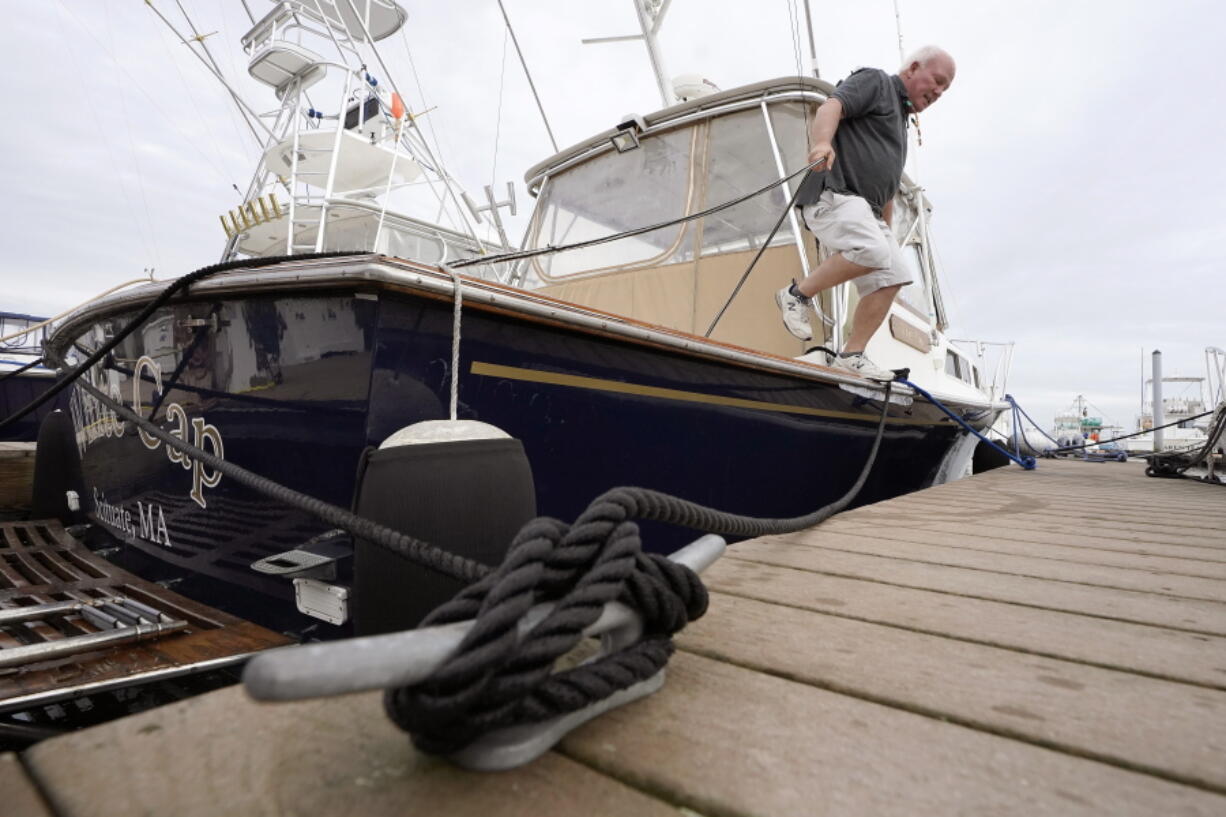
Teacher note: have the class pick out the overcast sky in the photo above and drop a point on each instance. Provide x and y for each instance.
(1075, 167)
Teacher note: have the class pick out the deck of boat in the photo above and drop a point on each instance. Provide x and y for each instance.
(1017, 643)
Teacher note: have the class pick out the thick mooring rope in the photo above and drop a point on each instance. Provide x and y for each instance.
(496, 679)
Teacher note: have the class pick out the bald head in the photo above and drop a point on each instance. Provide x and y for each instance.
(927, 74)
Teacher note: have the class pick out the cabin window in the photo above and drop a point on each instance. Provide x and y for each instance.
(906, 231)
(740, 160)
(12, 325)
(914, 294)
(790, 121)
(951, 364)
(611, 193)
(961, 368)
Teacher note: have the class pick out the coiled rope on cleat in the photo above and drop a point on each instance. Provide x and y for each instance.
(497, 679)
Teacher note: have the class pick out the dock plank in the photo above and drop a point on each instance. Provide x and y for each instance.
(1154, 651)
(1206, 617)
(1121, 532)
(222, 753)
(724, 739)
(1156, 520)
(1142, 498)
(1081, 537)
(18, 797)
(1169, 729)
(1132, 560)
(1190, 587)
(1075, 485)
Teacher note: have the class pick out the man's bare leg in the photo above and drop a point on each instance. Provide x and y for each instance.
(870, 312)
(833, 271)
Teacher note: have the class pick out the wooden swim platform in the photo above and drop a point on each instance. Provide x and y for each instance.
(1046, 642)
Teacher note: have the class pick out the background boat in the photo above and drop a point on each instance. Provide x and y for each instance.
(23, 376)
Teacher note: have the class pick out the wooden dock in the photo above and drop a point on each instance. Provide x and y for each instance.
(1047, 642)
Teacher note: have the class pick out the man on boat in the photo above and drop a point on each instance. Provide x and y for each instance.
(848, 203)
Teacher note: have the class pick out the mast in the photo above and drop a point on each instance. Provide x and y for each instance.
(812, 43)
(329, 167)
(651, 16)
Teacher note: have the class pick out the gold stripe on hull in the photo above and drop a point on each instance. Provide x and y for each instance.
(619, 387)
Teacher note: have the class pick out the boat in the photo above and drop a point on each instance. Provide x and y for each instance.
(1077, 433)
(1188, 408)
(645, 361)
(1075, 426)
(23, 375)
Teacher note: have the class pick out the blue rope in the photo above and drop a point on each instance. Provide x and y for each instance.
(1059, 449)
(1018, 409)
(1026, 462)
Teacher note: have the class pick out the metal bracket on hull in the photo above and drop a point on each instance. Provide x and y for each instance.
(403, 659)
(313, 559)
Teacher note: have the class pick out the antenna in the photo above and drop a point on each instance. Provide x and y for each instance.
(531, 85)
(492, 208)
(651, 17)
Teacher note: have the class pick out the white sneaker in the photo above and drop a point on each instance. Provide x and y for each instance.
(795, 311)
(861, 365)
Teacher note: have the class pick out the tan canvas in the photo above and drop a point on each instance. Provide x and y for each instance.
(687, 296)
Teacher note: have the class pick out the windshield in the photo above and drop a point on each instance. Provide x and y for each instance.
(671, 174)
(740, 160)
(611, 193)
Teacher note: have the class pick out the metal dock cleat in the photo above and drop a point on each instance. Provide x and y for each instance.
(410, 657)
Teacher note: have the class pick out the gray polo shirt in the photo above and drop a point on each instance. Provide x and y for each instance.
(870, 143)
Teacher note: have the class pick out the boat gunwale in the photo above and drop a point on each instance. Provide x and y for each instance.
(406, 276)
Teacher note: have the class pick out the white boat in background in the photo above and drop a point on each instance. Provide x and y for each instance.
(1075, 425)
(1188, 407)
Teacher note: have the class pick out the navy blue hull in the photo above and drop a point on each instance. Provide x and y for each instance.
(295, 388)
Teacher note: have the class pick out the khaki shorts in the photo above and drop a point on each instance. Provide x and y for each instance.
(846, 224)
